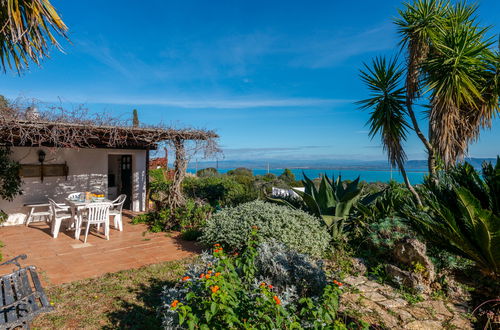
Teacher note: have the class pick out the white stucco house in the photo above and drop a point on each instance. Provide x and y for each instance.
(100, 170)
(58, 158)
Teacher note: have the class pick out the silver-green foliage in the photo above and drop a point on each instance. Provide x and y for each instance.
(296, 229)
(290, 270)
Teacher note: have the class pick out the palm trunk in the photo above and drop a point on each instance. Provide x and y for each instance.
(431, 157)
(408, 184)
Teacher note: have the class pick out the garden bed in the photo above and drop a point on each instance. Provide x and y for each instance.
(126, 299)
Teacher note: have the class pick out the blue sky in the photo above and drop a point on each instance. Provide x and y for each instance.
(275, 79)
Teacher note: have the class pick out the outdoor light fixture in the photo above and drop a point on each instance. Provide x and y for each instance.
(41, 159)
(41, 156)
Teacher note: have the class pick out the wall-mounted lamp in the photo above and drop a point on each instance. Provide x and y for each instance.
(41, 159)
(41, 156)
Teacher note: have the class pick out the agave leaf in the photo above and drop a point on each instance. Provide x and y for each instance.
(328, 219)
(280, 201)
(325, 197)
(309, 186)
(310, 203)
(370, 198)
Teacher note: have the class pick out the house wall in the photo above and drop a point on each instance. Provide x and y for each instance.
(88, 171)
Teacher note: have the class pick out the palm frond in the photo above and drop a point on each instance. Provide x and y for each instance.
(27, 30)
(387, 105)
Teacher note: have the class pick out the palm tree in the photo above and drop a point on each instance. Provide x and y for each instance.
(417, 27)
(27, 29)
(461, 75)
(387, 104)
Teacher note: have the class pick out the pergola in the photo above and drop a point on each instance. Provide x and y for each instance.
(73, 132)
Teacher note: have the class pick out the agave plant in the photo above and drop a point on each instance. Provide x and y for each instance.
(332, 202)
(461, 215)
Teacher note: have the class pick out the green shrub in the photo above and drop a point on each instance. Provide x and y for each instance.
(188, 219)
(385, 233)
(157, 175)
(205, 172)
(224, 292)
(289, 270)
(296, 229)
(241, 171)
(221, 190)
(287, 176)
(462, 215)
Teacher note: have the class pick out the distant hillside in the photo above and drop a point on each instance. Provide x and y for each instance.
(322, 164)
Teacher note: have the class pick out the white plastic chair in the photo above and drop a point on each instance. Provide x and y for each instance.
(58, 214)
(75, 195)
(116, 211)
(96, 214)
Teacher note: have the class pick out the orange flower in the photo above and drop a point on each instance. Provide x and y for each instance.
(217, 274)
(262, 284)
(337, 283)
(174, 303)
(216, 245)
(277, 300)
(214, 288)
(270, 286)
(209, 272)
(185, 278)
(202, 275)
(207, 276)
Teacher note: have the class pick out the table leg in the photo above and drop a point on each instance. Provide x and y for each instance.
(74, 214)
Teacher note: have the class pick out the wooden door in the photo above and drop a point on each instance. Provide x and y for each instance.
(126, 179)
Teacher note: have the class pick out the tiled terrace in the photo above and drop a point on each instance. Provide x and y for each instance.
(65, 259)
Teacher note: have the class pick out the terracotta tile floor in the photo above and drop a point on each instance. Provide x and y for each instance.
(65, 259)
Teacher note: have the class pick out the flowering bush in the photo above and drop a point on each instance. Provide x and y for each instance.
(226, 292)
(296, 229)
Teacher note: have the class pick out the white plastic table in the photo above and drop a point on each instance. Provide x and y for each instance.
(77, 206)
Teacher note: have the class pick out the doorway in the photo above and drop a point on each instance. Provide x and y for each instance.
(126, 179)
(120, 178)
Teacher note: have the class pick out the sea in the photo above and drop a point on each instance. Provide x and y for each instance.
(415, 176)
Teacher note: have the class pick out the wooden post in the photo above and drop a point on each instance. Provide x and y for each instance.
(147, 180)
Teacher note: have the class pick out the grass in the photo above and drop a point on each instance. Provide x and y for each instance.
(126, 299)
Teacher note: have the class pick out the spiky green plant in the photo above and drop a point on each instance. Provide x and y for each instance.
(332, 201)
(388, 111)
(27, 29)
(461, 215)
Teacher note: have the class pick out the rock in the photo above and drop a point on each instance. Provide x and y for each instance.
(411, 251)
(355, 280)
(437, 307)
(366, 288)
(419, 313)
(374, 296)
(423, 325)
(459, 323)
(393, 303)
(403, 315)
(436, 286)
(406, 278)
(358, 266)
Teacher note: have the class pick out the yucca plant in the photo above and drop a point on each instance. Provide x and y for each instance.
(461, 215)
(27, 29)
